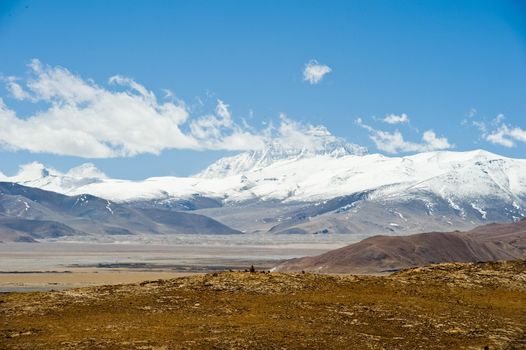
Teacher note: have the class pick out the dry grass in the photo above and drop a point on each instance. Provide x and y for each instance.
(447, 306)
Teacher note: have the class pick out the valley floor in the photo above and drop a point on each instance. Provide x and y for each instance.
(60, 265)
(446, 306)
(79, 277)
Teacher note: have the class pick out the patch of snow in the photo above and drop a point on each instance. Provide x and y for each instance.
(26, 204)
(345, 207)
(401, 216)
(456, 207)
(429, 206)
(480, 210)
(108, 206)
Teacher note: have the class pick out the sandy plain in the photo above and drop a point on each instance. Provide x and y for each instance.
(58, 266)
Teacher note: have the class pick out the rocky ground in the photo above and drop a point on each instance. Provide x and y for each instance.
(446, 306)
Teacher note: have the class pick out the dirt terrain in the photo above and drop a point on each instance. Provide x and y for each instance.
(385, 254)
(445, 306)
(76, 278)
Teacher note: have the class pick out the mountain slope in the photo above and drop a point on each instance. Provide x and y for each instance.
(27, 212)
(14, 229)
(382, 253)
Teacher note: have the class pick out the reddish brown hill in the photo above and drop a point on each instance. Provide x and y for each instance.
(380, 254)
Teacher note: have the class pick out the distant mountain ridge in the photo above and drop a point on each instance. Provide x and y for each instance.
(303, 176)
(332, 188)
(28, 214)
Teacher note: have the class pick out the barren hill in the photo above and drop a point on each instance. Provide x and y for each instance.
(381, 254)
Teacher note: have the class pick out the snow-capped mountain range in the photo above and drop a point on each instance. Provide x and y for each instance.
(304, 176)
(337, 186)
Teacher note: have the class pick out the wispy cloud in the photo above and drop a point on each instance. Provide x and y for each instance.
(396, 119)
(15, 89)
(498, 132)
(85, 119)
(506, 136)
(472, 112)
(314, 72)
(394, 142)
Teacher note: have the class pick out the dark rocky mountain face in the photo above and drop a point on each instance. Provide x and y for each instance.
(363, 214)
(187, 222)
(30, 213)
(380, 254)
(23, 230)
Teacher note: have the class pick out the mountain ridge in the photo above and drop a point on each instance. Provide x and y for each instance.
(28, 214)
(406, 171)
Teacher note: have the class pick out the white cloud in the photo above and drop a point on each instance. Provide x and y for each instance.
(506, 136)
(479, 125)
(86, 170)
(498, 119)
(498, 132)
(211, 126)
(432, 142)
(499, 137)
(219, 131)
(87, 120)
(472, 112)
(396, 119)
(291, 137)
(15, 89)
(84, 119)
(394, 142)
(314, 72)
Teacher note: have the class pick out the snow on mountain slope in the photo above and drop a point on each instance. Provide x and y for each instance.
(275, 151)
(311, 176)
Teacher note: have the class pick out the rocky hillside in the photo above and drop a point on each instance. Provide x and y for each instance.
(380, 254)
(447, 306)
(28, 214)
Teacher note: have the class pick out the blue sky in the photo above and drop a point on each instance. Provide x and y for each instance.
(456, 69)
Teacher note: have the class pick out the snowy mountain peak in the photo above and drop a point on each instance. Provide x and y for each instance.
(277, 150)
(34, 171)
(37, 175)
